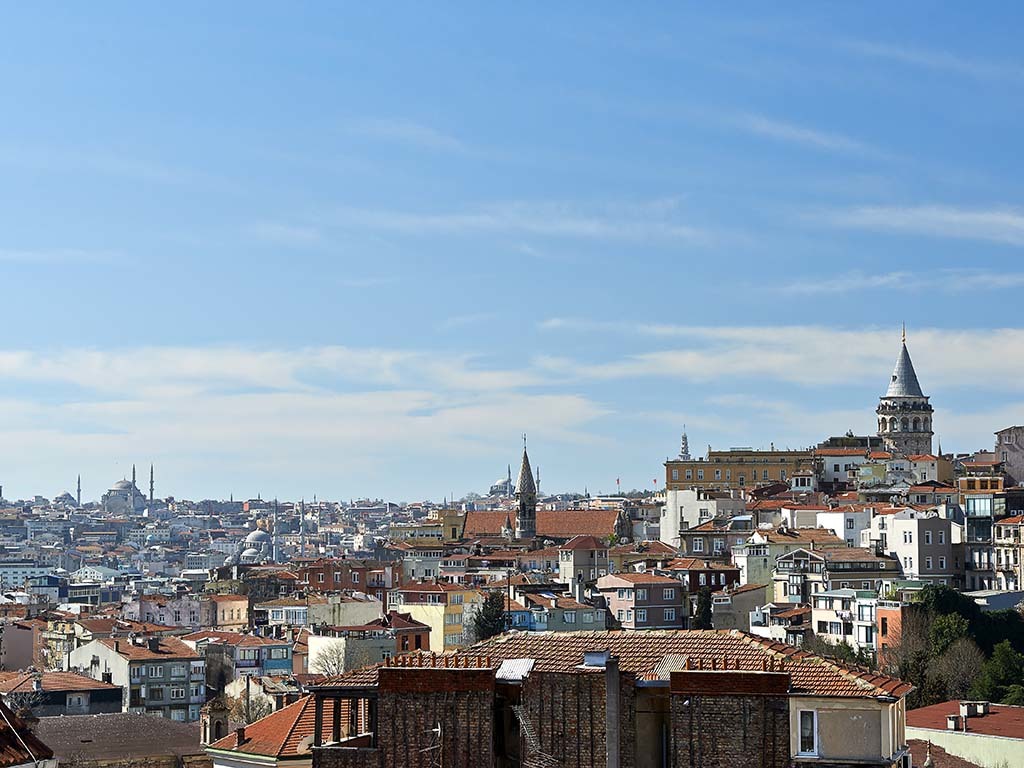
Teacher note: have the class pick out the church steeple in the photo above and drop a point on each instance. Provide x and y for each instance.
(526, 495)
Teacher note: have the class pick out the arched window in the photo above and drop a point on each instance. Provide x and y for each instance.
(218, 730)
(927, 426)
(892, 424)
(882, 424)
(917, 424)
(904, 424)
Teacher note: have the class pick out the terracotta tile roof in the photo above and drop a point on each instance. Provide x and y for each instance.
(23, 682)
(643, 548)
(1001, 720)
(793, 613)
(802, 535)
(840, 451)
(697, 564)
(281, 733)
(743, 588)
(168, 648)
(19, 745)
(880, 455)
(923, 457)
(584, 542)
(1015, 520)
(555, 524)
(640, 652)
(636, 578)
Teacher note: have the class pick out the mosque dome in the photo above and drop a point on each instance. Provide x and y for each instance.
(122, 485)
(257, 537)
(250, 555)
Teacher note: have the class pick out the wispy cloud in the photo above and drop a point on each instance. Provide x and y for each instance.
(287, 234)
(802, 355)
(653, 220)
(760, 125)
(405, 132)
(940, 61)
(998, 225)
(941, 280)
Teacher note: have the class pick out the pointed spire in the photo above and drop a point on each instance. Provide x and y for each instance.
(525, 483)
(151, 485)
(904, 378)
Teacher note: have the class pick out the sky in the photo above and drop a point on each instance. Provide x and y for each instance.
(345, 250)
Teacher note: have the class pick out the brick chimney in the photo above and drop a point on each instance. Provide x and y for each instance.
(240, 736)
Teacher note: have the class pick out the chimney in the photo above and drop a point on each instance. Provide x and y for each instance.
(117, 646)
(154, 644)
(239, 735)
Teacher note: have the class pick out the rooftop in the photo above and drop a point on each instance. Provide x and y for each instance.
(117, 736)
(1002, 720)
(282, 734)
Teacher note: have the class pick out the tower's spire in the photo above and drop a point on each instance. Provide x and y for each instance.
(133, 475)
(151, 485)
(78, 495)
(526, 493)
(904, 332)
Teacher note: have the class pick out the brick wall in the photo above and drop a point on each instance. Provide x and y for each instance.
(411, 704)
(729, 719)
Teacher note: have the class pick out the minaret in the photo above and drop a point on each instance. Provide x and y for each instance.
(133, 476)
(78, 494)
(509, 487)
(302, 528)
(274, 538)
(526, 495)
(904, 413)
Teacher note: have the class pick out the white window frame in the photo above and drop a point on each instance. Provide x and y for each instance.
(799, 732)
(641, 614)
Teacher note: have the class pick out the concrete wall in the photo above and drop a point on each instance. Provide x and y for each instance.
(986, 751)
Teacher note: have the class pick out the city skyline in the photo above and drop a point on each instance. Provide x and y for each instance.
(227, 256)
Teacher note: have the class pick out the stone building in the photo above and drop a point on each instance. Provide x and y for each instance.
(904, 413)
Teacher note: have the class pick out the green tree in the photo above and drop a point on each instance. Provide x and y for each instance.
(1001, 672)
(702, 620)
(490, 619)
(945, 631)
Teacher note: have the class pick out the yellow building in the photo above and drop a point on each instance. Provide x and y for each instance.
(735, 468)
(445, 608)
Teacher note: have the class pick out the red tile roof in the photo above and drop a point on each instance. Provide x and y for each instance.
(637, 578)
(555, 524)
(697, 564)
(18, 744)
(1002, 720)
(940, 758)
(641, 652)
(167, 648)
(584, 542)
(281, 733)
(23, 682)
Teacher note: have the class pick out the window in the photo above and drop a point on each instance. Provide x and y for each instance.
(928, 563)
(177, 693)
(641, 594)
(621, 615)
(927, 537)
(849, 524)
(718, 474)
(700, 474)
(885, 626)
(320, 576)
(808, 733)
(675, 474)
(249, 654)
(703, 579)
(178, 670)
(942, 563)
(588, 617)
(764, 474)
(641, 614)
(156, 693)
(196, 690)
(698, 545)
(355, 577)
(689, 474)
(178, 714)
(155, 672)
(668, 593)
(622, 594)
(570, 617)
(670, 614)
(942, 537)
(279, 653)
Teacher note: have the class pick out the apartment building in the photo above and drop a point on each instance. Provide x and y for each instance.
(643, 600)
(756, 556)
(446, 608)
(160, 676)
(582, 559)
(803, 573)
(687, 508)
(845, 616)
(1007, 561)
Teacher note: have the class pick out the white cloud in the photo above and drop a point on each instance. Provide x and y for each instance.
(405, 132)
(941, 280)
(798, 134)
(941, 61)
(653, 220)
(805, 355)
(999, 225)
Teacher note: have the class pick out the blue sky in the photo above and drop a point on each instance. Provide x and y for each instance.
(329, 249)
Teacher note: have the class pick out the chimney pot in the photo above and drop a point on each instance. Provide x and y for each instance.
(240, 735)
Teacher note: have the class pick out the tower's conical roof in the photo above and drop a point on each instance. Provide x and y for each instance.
(904, 379)
(525, 483)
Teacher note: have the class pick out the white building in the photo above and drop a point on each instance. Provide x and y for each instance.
(690, 507)
(846, 522)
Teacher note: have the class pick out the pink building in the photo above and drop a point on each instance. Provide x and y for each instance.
(643, 600)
